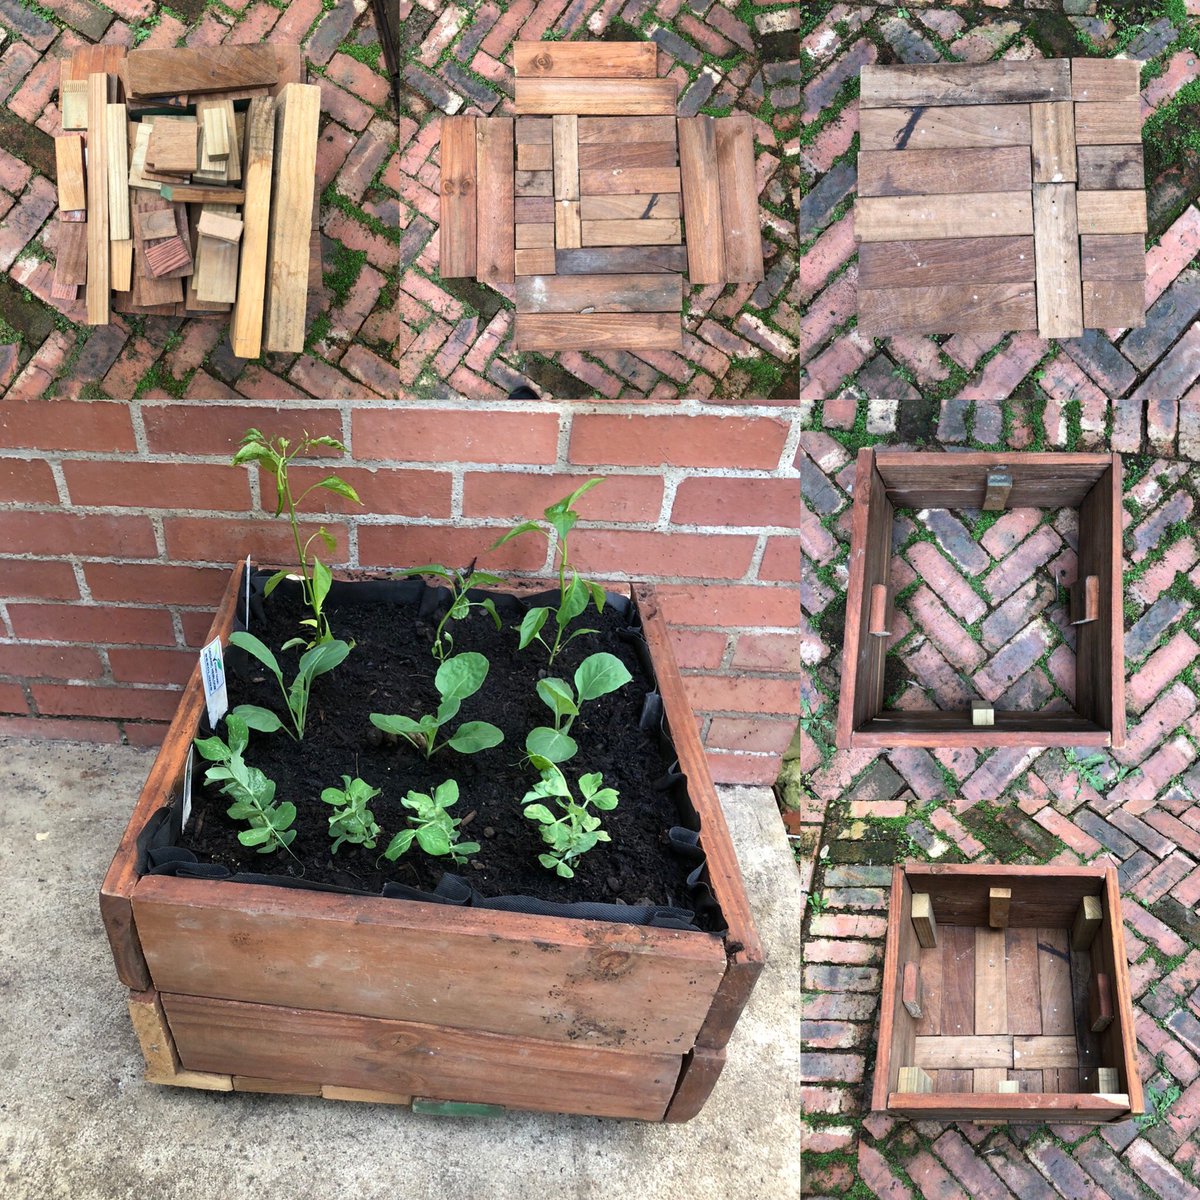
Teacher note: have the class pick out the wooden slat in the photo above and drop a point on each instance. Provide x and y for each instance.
(534, 131)
(246, 324)
(991, 982)
(1054, 973)
(157, 224)
(929, 967)
(534, 183)
(531, 237)
(416, 1058)
(494, 261)
(70, 268)
(68, 158)
(214, 133)
(897, 1029)
(964, 1053)
(1114, 304)
(989, 1079)
(566, 157)
(661, 205)
(1045, 1053)
(944, 128)
(153, 1035)
(278, 1087)
(595, 97)
(1108, 124)
(739, 199)
(1052, 127)
(948, 260)
(600, 293)
(1118, 1043)
(1022, 982)
(616, 259)
(1056, 241)
(99, 263)
(1035, 1106)
(1111, 212)
(932, 172)
(531, 156)
(924, 919)
(948, 308)
(198, 193)
(634, 180)
(965, 83)
(534, 262)
(958, 987)
(630, 233)
(568, 230)
(215, 277)
(603, 331)
(625, 129)
(212, 69)
(174, 146)
(981, 214)
(458, 197)
(117, 148)
(586, 60)
(1041, 897)
(911, 992)
(702, 1068)
(914, 1079)
(212, 169)
(999, 899)
(1111, 168)
(935, 729)
(603, 155)
(1105, 79)
(701, 200)
(1113, 256)
(533, 210)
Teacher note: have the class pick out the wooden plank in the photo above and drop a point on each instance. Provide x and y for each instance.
(595, 97)
(246, 324)
(991, 988)
(174, 145)
(192, 302)
(950, 308)
(117, 148)
(1087, 922)
(533, 210)
(408, 1057)
(216, 273)
(989, 1079)
(534, 183)
(944, 128)
(913, 1079)
(1045, 1053)
(163, 257)
(88, 60)
(1114, 304)
(72, 100)
(568, 230)
(223, 227)
(1118, 1043)
(995, 499)
(602, 331)
(538, 261)
(211, 168)
(911, 992)
(99, 262)
(934, 172)
(965, 83)
(964, 1053)
(214, 133)
(626, 129)
(297, 113)
(999, 901)
(586, 60)
(1054, 981)
(607, 156)
(958, 986)
(1105, 79)
(617, 259)
(566, 157)
(661, 205)
(193, 193)
(534, 131)
(739, 199)
(1101, 1079)
(1085, 600)
(530, 237)
(701, 199)
(630, 233)
(157, 224)
(251, 1083)
(458, 231)
(879, 621)
(1022, 981)
(531, 157)
(1108, 124)
(1100, 1002)
(329, 1091)
(981, 214)
(70, 268)
(600, 293)
(897, 1029)
(153, 1035)
(929, 972)
(68, 160)
(1113, 256)
(1111, 168)
(634, 180)
(212, 69)
(1056, 241)
(120, 252)
(970, 261)
(1052, 127)
(1057, 1109)
(1028, 1081)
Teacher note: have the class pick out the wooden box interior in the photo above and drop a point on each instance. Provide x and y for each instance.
(1006, 1004)
(886, 480)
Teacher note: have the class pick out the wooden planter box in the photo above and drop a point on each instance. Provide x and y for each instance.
(887, 479)
(1012, 1002)
(255, 988)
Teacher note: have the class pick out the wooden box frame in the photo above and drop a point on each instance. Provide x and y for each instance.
(886, 479)
(238, 987)
(1040, 896)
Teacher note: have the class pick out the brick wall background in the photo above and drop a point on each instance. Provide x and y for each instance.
(118, 523)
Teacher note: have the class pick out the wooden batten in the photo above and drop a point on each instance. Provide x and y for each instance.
(911, 991)
(999, 900)
(246, 325)
(982, 713)
(459, 194)
(99, 261)
(880, 625)
(913, 1079)
(1085, 600)
(1087, 922)
(998, 489)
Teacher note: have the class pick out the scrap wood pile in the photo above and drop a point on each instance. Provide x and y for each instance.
(187, 187)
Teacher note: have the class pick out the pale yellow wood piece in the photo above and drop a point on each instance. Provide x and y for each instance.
(118, 175)
(203, 1081)
(535, 261)
(957, 215)
(214, 168)
(363, 1095)
(216, 272)
(1087, 922)
(141, 131)
(98, 276)
(223, 228)
(991, 982)
(215, 135)
(982, 713)
(1112, 212)
(1100, 1079)
(1045, 1053)
(567, 228)
(72, 99)
(999, 900)
(121, 257)
(1056, 253)
(566, 157)
(913, 1079)
(153, 1033)
(964, 1053)
(1009, 1086)
(923, 920)
(246, 324)
(68, 161)
(1053, 130)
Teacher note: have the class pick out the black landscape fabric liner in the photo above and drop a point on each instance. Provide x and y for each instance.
(160, 852)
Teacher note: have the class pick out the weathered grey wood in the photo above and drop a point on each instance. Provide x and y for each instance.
(946, 260)
(1113, 256)
(936, 172)
(1111, 168)
(918, 218)
(965, 83)
(625, 129)
(1056, 242)
(949, 308)
(600, 293)
(1052, 127)
(616, 259)
(662, 205)
(1114, 304)
(943, 128)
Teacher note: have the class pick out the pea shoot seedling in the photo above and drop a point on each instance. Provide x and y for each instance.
(460, 583)
(352, 821)
(433, 828)
(596, 676)
(575, 832)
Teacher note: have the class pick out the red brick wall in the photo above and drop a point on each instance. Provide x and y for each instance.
(118, 522)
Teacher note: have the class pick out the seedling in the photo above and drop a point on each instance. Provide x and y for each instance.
(352, 821)
(575, 832)
(320, 659)
(573, 590)
(460, 583)
(596, 676)
(252, 793)
(315, 577)
(434, 829)
(456, 679)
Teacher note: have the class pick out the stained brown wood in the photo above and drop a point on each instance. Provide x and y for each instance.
(533, 210)
(535, 262)
(933, 172)
(660, 205)
(635, 180)
(630, 233)
(946, 309)
(600, 293)
(1035, 1107)
(586, 60)
(70, 268)
(1111, 168)
(984, 214)
(534, 183)
(1118, 1043)
(458, 198)
(945, 261)
(958, 991)
(595, 97)
(174, 145)
(602, 155)
(99, 263)
(911, 991)
(568, 230)
(566, 157)
(991, 990)
(68, 157)
(1041, 897)
(246, 325)
(212, 69)
(739, 200)
(942, 128)
(1108, 124)
(1053, 132)
(192, 193)
(880, 622)
(701, 199)
(494, 179)
(625, 129)
(534, 156)
(1045, 1053)
(1085, 600)
(1054, 980)
(1114, 303)
(603, 331)
(964, 84)
(157, 224)
(1113, 256)
(530, 237)
(607, 260)
(1105, 79)
(1056, 242)
(966, 1052)
(955, 730)
(1023, 983)
(701, 1069)
(897, 1029)
(250, 1083)
(534, 131)
(1100, 1002)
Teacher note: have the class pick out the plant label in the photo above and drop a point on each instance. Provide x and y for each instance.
(212, 671)
(185, 803)
(247, 621)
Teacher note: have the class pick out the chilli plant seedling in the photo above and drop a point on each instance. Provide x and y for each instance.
(576, 831)
(433, 828)
(456, 679)
(596, 676)
(252, 793)
(352, 820)
(460, 583)
(573, 590)
(320, 659)
(315, 577)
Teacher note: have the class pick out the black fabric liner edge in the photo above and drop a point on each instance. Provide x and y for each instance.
(159, 852)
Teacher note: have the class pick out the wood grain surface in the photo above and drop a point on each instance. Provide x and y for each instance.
(98, 277)
(974, 125)
(630, 233)
(586, 60)
(567, 228)
(595, 97)
(246, 324)
(616, 259)
(600, 293)
(1056, 246)
(626, 129)
(1111, 212)
(663, 205)
(458, 230)
(965, 83)
(534, 131)
(635, 180)
(495, 245)
(1113, 256)
(1111, 168)
(947, 308)
(1052, 128)
(68, 159)
(701, 199)
(970, 261)
(605, 155)
(535, 261)
(739, 199)
(1108, 124)
(1114, 303)
(566, 157)
(1105, 79)
(212, 69)
(602, 331)
(917, 218)
(934, 172)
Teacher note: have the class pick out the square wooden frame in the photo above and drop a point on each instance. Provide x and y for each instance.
(889, 478)
(1050, 896)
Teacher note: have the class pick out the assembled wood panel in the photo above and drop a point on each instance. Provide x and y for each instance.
(586, 60)
(965, 83)
(701, 200)
(458, 198)
(595, 97)
(495, 245)
(739, 200)
(977, 125)
(934, 172)
(897, 1027)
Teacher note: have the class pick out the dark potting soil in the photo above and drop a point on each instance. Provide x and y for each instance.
(391, 670)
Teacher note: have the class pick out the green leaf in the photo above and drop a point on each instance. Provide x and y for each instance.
(573, 602)
(569, 502)
(254, 451)
(539, 812)
(402, 726)
(331, 483)
(255, 837)
(516, 531)
(238, 733)
(556, 694)
(478, 579)
(531, 625)
(597, 594)
(322, 580)
(328, 538)
(564, 870)
(399, 844)
(326, 440)
(466, 848)
(489, 606)
(446, 794)
(548, 861)
(322, 658)
(553, 782)
(251, 644)
(600, 674)
(475, 736)
(461, 676)
(239, 810)
(446, 710)
(429, 569)
(258, 718)
(550, 745)
(285, 814)
(433, 840)
(606, 798)
(274, 582)
(212, 749)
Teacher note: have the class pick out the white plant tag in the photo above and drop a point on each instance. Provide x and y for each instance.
(186, 801)
(212, 671)
(247, 621)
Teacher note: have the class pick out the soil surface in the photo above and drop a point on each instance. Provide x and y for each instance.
(391, 670)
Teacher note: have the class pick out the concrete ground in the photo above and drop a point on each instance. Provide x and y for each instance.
(76, 1119)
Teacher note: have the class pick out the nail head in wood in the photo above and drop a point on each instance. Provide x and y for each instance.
(1085, 600)
(923, 920)
(910, 992)
(1100, 1004)
(879, 611)
(913, 1079)
(999, 485)
(1087, 922)
(998, 901)
(982, 713)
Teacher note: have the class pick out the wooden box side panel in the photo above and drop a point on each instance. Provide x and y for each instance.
(407, 1058)
(701, 1070)
(588, 982)
(897, 1029)
(1059, 1107)
(1041, 899)
(1118, 1043)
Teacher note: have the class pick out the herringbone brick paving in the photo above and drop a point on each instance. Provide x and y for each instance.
(977, 601)
(354, 343)
(1151, 373)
